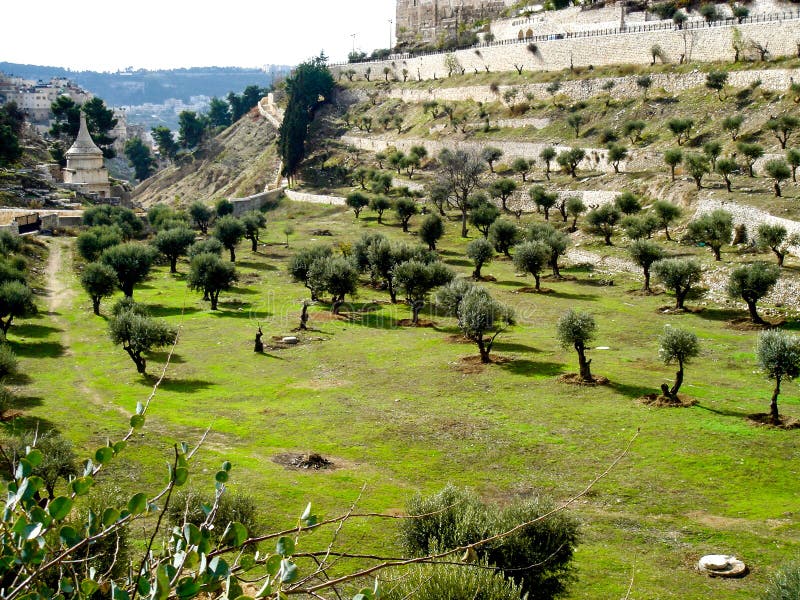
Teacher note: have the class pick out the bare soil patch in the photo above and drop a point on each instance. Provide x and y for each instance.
(470, 365)
(488, 278)
(661, 401)
(745, 324)
(764, 419)
(576, 379)
(551, 277)
(310, 462)
(420, 323)
(326, 317)
(458, 338)
(533, 290)
(671, 310)
(645, 293)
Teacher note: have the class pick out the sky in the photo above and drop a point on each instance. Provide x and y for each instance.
(103, 35)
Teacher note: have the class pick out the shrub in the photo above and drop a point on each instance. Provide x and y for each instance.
(8, 362)
(191, 507)
(453, 582)
(784, 584)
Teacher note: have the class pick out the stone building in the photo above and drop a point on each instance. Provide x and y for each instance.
(424, 20)
(85, 169)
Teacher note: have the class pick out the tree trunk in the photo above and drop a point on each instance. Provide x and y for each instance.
(547, 172)
(483, 348)
(680, 297)
(173, 264)
(138, 360)
(233, 254)
(546, 213)
(672, 169)
(673, 393)
(584, 365)
(96, 305)
(127, 289)
(392, 292)
(777, 190)
(781, 256)
(754, 316)
(416, 306)
(699, 183)
(646, 287)
(574, 224)
(666, 232)
(214, 297)
(717, 253)
(337, 304)
(463, 222)
(537, 278)
(773, 406)
(607, 237)
(254, 243)
(554, 266)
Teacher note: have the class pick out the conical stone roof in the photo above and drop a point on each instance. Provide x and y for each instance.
(84, 145)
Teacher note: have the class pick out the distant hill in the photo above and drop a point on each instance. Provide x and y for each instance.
(126, 88)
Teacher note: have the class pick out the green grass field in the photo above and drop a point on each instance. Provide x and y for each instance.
(397, 412)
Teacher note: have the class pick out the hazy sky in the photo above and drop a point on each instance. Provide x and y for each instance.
(105, 35)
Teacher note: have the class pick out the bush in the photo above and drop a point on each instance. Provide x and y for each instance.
(784, 584)
(537, 556)
(8, 362)
(465, 582)
(191, 507)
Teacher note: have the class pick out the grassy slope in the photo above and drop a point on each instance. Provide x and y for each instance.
(393, 409)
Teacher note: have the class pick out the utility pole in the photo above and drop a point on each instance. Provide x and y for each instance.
(390, 34)
(353, 35)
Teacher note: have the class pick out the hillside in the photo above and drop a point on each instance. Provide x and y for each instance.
(238, 162)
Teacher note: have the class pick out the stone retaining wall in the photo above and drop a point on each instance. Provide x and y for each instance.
(707, 44)
(255, 202)
(314, 198)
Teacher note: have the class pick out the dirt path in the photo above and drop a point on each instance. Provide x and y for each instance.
(58, 293)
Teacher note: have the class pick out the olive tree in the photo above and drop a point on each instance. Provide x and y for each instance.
(751, 152)
(673, 157)
(503, 189)
(569, 160)
(576, 329)
(482, 216)
(779, 171)
(714, 229)
(793, 160)
(379, 204)
(543, 200)
(91, 243)
(139, 334)
(557, 241)
(300, 265)
(681, 128)
(431, 230)
(418, 279)
(99, 280)
(211, 275)
(357, 201)
(628, 204)
(678, 275)
(616, 154)
(782, 127)
(480, 252)
(480, 315)
(733, 124)
(548, 155)
(532, 257)
(16, 300)
(644, 253)
(201, 216)
(131, 262)
(229, 231)
(778, 355)
(727, 167)
(602, 220)
(173, 243)
(667, 213)
(503, 234)
(574, 207)
(751, 282)
(405, 209)
(459, 176)
(697, 166)
(337, 276)
(775, 237)
(679, 346)
(491, 155)
(253, 222)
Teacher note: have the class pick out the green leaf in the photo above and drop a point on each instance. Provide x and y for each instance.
(24, 469)
(81, 485)
(237, 534)
(138, 504)
(137, 421)
(35, 457)
(188, 588)
(181, 475)
(139, 408)
(265, 590)
(191, 533)
(119, 447)
(288, 571)
(226, 466)
(306, 513)
(143, 586)
(110, 516)
(68, 535)
(59, 508)
(274, 564)
(117, 593)
(104, 455)
(244, 598)
(162, 584)
(89, 587)
(221, 476)
(285, 546)
(247, 562)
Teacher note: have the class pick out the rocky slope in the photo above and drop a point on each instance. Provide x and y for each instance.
(237, 163)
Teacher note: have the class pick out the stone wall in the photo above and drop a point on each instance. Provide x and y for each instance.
(705, 44)
(314, 198)
(424, 20)
(255, 202)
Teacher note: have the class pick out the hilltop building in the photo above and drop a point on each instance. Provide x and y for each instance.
(425, 20)
(85, 169)
(35, 98)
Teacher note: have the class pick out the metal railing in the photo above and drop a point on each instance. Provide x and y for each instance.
(628, 29)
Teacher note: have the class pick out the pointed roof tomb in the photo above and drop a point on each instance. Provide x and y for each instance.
(84, 145)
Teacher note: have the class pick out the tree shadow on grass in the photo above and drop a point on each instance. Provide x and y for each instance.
(26, 423)
(38, 349)
(159, 310)
(184, 386)
(523, 366)
(570, 296)
(724, 411)
(256, 266)
(162, 357)
(26, 402)
(239, 310)
(243, 291)
(458, 262)
(514, 283)
(32, 330)
(721, 314)
(632, 391)
(514, 347)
